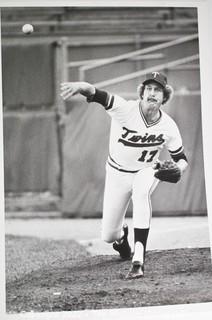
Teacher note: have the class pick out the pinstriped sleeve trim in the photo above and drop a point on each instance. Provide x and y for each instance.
(178, 151)
(178, 154)
(110, 102)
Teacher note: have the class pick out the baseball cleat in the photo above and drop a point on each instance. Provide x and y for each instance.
(123, 248)
(136, 271)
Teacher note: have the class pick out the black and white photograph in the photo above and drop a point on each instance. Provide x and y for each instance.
(105, 194)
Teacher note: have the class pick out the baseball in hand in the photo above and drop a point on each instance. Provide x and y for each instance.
(27, 28)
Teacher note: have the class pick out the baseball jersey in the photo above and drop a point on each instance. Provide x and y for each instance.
(135, 144)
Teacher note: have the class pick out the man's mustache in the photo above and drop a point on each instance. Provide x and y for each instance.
(152, 99)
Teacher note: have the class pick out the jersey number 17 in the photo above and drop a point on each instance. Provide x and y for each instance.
(147, 156)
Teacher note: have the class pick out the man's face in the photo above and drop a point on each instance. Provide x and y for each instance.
(153, 95)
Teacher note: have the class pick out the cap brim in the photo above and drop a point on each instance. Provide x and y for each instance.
(153, 80)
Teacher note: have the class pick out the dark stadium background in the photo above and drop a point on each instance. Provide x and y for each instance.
(55, 153)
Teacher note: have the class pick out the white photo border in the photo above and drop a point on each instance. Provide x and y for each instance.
(191, 311)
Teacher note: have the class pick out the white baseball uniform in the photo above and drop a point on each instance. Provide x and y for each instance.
(134, 148)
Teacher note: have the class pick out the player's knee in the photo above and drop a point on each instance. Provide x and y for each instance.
(140, 198)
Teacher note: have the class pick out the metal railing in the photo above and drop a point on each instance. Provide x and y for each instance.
(131, 54)
(147, 70)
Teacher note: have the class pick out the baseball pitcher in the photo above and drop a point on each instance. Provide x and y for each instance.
(139, 131)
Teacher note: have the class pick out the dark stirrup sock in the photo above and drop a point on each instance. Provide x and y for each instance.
(141, 235)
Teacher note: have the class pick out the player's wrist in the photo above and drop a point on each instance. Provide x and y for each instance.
(91, 94)
(100, 96)
(182, 165)
(87, 89)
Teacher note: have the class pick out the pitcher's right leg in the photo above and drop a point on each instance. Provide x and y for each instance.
(117, 194)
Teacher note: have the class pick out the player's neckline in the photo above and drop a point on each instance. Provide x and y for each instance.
(147, 124)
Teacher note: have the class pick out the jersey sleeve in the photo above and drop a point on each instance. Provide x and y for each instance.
(116, 106)
(120, 109)
(175, 144)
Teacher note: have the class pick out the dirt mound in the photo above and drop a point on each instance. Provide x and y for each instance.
(84, 282)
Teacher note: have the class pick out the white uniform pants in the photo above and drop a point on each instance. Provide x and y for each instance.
(120, 187)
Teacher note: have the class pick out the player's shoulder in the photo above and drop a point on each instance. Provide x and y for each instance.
(168, 119)
(169, 123)
(133, 103)
(127, 104)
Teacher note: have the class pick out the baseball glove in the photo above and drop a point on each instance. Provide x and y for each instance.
(168, 171)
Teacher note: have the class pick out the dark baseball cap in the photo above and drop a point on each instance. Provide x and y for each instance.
(157, 77)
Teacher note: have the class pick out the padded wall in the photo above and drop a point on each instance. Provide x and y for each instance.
(31, 161)
(27, 75)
